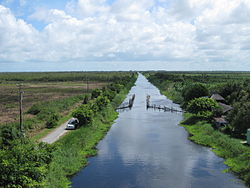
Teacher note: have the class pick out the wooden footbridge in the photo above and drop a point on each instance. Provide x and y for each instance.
(160, 107)
(128, 104)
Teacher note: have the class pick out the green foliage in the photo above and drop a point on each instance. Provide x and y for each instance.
(194, 91)
(86, 99)
(93, 106)
(116, 87)
(102, 102)
(8, 134)
(52, 120)
(109, 93)
(95, 93)
(239, 118)
(84, 114)
(24, 164)
(229, 88)
(203, 106)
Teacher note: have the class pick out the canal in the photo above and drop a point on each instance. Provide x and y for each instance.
(148, 149)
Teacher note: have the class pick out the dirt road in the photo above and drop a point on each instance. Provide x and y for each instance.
(56, 134)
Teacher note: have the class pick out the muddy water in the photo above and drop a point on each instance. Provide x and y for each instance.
(147, 148)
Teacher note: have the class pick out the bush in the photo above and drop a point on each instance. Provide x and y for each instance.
(204, 107)
(36, 109)
(116, 87)
(8, 134)
(52, 120)
(194, 91)
(86, 99)
(239, 118)
(102, 102)
(229, 88)
(24, 164)
(84, 114)
(109, 93)
(95, 93)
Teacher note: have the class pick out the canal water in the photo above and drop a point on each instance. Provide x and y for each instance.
(148, 149)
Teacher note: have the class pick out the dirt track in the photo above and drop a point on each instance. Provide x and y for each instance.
(56, 134)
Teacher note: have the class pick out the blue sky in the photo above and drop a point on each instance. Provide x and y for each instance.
(23, 9)
(131, 34)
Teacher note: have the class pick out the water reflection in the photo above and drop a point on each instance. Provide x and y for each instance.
(146, 148)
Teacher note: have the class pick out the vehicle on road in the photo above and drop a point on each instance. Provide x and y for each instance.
(72, 124)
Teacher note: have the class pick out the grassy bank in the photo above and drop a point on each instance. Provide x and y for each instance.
(73, 149)
(236, 155)
(174, 84)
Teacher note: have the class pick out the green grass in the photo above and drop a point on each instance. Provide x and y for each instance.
(43, 109)
(236, 155)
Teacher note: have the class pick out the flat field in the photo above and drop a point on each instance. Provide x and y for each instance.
(37, 92)
(42, 87)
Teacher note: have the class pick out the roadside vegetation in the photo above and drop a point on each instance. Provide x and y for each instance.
(26, 163)
(217, 111)
(74, 148)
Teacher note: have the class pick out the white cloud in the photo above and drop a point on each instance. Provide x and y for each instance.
(17, 38)
(192, 30)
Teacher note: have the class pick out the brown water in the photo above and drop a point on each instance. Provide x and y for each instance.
(147, 148)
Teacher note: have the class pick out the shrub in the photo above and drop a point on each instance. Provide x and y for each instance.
(116, 87)
(84, 114)
(230, 88)
(8, 134)
(109, 93)
(52, 120)
(194, 91)
(102, 102)
(24, 164)
(86, 99)
(239, 118)
(35, 109)
(95, 93)
(204, 107)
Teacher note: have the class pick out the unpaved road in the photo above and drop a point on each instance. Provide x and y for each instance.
(56, 134)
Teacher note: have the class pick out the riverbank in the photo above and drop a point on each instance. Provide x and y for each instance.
(74, 148)
(236, 155)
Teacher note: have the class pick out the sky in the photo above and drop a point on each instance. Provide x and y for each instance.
(51, 35)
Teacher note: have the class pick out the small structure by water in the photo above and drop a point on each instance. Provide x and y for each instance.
(128, 104)
(160, 107)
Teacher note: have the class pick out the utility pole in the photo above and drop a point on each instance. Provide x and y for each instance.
(87, 81)
(20, 91)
